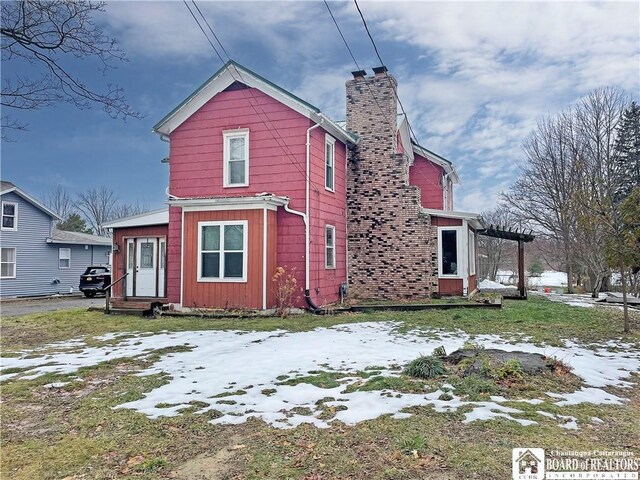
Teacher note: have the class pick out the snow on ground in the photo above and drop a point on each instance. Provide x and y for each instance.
(487, 284)
(236, 372)
(548, 278)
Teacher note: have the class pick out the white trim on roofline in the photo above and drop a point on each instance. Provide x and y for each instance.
(155, 217)
(475, 219)
(31, 200)
(438, 160)
(270, 202)
(231, 73)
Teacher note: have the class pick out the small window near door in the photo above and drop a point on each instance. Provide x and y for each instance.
(330, 247)
(449, 249)
(472, 253)
(64, 258)
(146, 255)
(9, 216)
(130, 255)
(8, 262)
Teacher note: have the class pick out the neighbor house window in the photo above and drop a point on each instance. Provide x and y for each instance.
(64, 258)
(222, 251)
(8, 263)
(236, 158)
(472, 253)
(329, 163)
(9, 216)
(449, 249)
(330, 246)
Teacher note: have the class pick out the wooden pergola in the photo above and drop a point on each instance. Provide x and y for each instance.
(520, 236)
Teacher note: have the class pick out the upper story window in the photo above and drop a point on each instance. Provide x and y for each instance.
(329, 162)
(236, 158)
(9, 216)
(7, 262)
(330, 246)
(64, 258)
(222, 251)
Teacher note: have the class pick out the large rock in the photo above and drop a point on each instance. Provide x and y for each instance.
(531, 362)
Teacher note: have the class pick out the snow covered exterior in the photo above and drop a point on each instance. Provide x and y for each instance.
(261, 179)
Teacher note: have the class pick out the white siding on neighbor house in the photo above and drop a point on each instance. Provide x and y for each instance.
(37, 261)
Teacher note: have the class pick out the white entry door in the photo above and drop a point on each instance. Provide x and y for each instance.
(146, 267)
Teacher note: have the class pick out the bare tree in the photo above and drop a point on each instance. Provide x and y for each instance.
(98, 205)
(493, 251)
(544, 194)
(60, 201)
(45, 35)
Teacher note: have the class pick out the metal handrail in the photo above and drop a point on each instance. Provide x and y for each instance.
(107, 291)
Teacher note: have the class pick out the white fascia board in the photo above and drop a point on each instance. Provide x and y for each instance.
(445, 164)
(224, 80)
(405, 138)
(31, 200)
(155, 217)
(474, 219)
(230, 203)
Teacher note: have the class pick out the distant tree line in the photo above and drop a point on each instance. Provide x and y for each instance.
(87, 211)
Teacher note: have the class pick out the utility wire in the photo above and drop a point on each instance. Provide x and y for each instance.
(284, 147)
(335, 22)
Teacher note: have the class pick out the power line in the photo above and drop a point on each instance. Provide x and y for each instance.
(369, 86)
(284, 147)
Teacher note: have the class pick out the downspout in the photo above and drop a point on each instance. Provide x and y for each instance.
(305, 217)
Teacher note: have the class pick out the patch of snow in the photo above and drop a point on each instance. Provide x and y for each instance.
(487, 284)
(226, 362)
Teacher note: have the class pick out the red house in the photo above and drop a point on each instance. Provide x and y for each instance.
(259, 178)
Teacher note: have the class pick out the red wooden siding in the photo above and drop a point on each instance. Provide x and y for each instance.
(275, 166)
(428, 177)
(227, 294)
(450, 286)
(446, 222)
(118, 261)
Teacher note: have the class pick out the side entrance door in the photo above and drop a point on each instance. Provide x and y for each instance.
(146, 267)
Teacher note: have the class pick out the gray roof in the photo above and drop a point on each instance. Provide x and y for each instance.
(5, 185)
(62, 236)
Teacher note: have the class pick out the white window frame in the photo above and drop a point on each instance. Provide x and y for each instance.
(329, 140)
(327, 247)
(60, 250)
(226, 143)
(14, 263)
(472, 252)
(15, 217)
(460, 250)
(245, 251)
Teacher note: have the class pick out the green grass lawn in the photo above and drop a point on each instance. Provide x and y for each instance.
(74, 433)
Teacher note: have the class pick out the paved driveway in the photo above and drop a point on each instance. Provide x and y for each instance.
(22, 307)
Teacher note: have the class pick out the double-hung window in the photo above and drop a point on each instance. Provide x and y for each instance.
(236, 158)
(64, 258)
(7, 262)
(9, 216)
(329, 163)
(222, 251)
(330, 246)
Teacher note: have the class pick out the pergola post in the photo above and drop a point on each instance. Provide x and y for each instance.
(521, 267)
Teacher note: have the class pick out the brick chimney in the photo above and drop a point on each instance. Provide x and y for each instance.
(392, 245)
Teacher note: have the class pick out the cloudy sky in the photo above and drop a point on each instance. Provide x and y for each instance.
(473, 76)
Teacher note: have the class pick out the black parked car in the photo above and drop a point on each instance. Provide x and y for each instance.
(94, 279)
